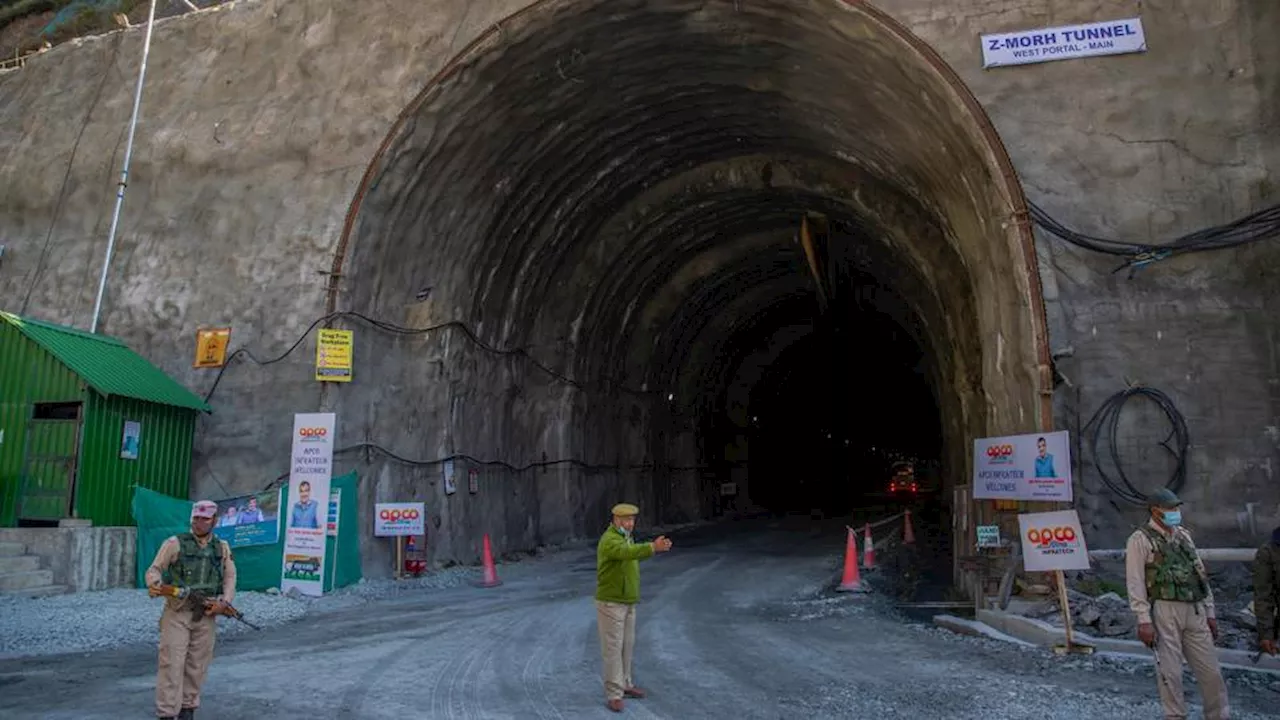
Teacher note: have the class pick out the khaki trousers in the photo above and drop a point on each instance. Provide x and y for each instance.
(1182, 631)
(186, 649)
(617, 624)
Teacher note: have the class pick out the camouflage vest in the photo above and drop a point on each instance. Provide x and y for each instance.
(1172, 574)
(198, 568)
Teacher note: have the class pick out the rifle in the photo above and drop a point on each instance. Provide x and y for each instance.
(200, 603)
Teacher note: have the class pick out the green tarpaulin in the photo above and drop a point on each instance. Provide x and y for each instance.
(257, 566)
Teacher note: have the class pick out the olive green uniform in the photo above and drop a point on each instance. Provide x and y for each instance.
(1168, 587)
(1266, 588)
(186, 643)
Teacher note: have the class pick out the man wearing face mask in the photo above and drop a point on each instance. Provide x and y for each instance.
(617, 592)
(1169, 592)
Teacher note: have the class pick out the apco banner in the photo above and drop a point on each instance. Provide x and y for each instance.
(1053, 541)
(1066, 42)
(1023, 467)
(249, 519)
(392, 519)
(311, 468)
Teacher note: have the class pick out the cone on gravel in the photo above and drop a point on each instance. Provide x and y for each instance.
(868, 550)
(490, 572)
(850, 582)
(908, 535)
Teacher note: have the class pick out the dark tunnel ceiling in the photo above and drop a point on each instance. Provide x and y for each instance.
(618, 184)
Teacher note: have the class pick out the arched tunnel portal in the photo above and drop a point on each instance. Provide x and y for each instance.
(767, 240)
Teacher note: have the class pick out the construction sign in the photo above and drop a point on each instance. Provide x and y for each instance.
(1053, 541)
(333, 356)
(211, 347)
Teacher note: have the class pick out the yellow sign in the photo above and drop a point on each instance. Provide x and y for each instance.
(211, 347)
(333, 356)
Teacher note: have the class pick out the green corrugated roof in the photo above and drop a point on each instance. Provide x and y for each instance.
(107, 364)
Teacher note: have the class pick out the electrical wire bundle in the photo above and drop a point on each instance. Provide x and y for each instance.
(1262, 225)
(404, 331)
(1107, 419)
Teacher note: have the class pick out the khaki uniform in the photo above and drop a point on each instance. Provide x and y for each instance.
(617, 626)
(1182, 629)
(186, 644)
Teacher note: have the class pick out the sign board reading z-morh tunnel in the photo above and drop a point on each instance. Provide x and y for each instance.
(1067, 42)
(1023, 467)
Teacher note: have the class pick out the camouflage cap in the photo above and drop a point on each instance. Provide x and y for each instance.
(1163, 498)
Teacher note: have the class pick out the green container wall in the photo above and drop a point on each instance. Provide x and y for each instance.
(105, 491)
(28, 374)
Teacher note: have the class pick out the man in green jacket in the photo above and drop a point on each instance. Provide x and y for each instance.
(617, 592)
(1266, 592)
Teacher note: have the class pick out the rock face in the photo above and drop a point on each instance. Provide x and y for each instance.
(260, 119)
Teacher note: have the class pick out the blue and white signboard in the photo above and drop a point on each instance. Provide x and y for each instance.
(1066, 42)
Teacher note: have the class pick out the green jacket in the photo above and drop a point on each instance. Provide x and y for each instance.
(1266, 589)
(618, 567)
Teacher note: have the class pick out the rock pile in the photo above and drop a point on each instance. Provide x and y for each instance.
(1109, 616)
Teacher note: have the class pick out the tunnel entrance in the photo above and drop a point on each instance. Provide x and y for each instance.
(726, 231)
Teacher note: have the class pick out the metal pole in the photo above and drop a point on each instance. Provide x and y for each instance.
(124, 171)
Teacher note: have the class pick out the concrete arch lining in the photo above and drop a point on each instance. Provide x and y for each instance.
(535, 153)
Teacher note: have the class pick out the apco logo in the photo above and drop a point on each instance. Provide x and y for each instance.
(313, 434)
(1055, 540)
(999, 454)
(406, 515)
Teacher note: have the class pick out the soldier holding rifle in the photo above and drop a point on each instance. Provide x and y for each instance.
(197, 575)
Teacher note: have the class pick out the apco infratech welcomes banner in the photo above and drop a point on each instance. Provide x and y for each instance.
(1053, 541)
(1023, 467)
(1067, 42)
(311, 468)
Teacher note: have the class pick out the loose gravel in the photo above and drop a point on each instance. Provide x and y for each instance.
(86, 622)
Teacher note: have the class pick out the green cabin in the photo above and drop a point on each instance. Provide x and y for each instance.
(83, 419)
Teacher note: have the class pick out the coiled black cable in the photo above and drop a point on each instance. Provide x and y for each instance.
(1106, 420)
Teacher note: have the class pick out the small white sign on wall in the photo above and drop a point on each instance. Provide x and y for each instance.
(1065, 42)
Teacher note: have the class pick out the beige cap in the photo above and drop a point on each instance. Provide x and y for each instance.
(625, 510)
(204, 509)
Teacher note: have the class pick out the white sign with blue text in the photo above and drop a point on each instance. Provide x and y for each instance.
(1067, 42)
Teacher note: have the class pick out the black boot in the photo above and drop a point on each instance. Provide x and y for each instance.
(187, 714)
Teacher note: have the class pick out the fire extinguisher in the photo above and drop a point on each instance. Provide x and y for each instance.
(413, 563)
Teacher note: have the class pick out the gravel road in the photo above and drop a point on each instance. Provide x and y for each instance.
(736, 622)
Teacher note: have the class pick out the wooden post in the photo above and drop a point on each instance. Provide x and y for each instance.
(1066, 606)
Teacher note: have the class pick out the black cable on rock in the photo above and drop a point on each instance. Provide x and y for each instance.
(1262, 225)
(404, 331)
(1106, 420)
(587, 467)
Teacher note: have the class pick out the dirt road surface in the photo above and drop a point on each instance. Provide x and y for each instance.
(736, 622)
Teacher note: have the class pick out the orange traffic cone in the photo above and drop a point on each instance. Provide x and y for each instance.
(868, 550)
(908, 535)
(850, 582)
(490, 572)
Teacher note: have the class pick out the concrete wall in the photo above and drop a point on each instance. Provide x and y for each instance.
(82, 558)
(260, 117)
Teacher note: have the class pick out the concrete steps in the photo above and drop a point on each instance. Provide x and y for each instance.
(21, 574)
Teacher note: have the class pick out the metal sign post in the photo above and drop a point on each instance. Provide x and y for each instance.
(124, 172)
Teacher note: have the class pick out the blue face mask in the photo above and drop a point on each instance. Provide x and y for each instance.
(1173, 518)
